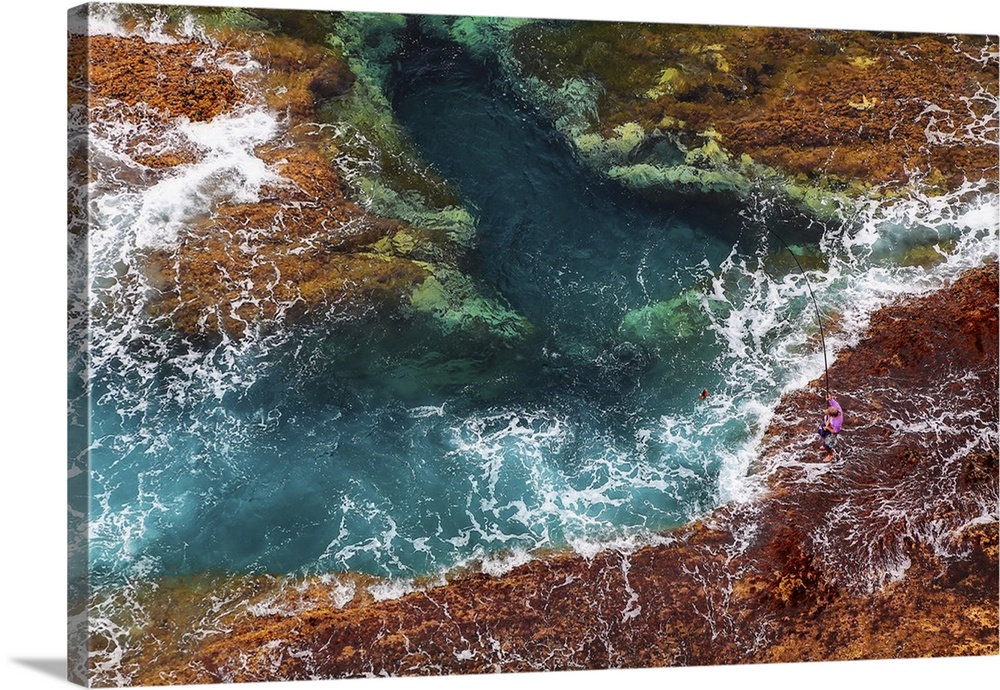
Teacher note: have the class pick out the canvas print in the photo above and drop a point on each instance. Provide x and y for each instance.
(410, 344)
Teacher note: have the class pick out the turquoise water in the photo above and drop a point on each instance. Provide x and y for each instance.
(568, 250)
(386, 448)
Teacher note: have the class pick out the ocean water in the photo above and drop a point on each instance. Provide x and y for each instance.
(388, 448)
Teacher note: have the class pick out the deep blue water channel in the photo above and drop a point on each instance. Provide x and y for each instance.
(569, 250)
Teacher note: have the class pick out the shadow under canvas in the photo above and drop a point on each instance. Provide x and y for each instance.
(50, 667)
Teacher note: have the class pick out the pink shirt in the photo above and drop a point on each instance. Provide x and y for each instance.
(835, 423)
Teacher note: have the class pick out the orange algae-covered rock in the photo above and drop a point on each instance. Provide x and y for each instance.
(841, 105)
(167, 77)
(304, 248)
(296, 73)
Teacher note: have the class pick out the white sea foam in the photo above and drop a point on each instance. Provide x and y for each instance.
(105, 19)
(768, 323)
(228, 172)
(153, 216)
(501, 563)
(768, 327)
(391, 589)
(135, 208)
(866, 269)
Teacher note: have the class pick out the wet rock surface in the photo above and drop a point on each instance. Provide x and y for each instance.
(888, 551)
(165, 77)
(827, 108)
(303, 248)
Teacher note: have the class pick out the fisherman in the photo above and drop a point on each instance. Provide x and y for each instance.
(833, 422)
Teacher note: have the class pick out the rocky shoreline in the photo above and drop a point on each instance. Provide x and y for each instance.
(818, 118)
(319, 238)
(890, 551)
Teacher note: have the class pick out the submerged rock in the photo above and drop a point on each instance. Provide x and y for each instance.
(451, 297)
(672, 320)
(333, 80)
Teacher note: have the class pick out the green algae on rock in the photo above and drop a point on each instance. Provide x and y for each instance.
(386, 174)
(451, 297)
(384, 168)
(483, 37)
(675, 319)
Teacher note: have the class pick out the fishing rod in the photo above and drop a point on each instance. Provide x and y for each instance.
(819, 318)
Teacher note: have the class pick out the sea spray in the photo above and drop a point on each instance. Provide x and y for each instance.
(863, 273)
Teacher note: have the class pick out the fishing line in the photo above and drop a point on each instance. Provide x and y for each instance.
(819, 318)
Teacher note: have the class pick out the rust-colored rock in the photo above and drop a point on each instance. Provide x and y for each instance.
(166, 77)
(305, 248)
(148, 84)
(300, 250)
(839, 106)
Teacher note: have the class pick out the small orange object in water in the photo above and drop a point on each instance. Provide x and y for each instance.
(704, 393)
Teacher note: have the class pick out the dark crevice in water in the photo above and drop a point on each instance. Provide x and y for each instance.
(552, 232)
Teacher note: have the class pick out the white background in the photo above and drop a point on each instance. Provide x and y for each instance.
(32, 617)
